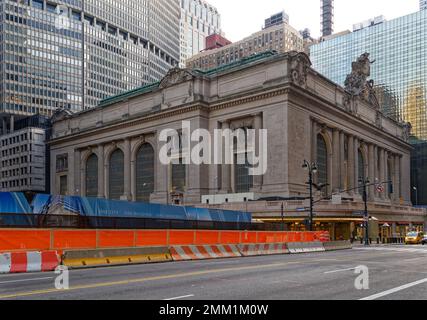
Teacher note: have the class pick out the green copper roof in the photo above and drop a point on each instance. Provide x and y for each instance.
(151, 87)
(129, 94)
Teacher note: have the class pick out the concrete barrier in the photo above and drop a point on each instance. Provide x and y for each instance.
(305, 247)
(337, 245)
(108, 257)
(203, 252)
(21, 262)
(248, 250)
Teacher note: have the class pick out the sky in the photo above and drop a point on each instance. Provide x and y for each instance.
(240, 18)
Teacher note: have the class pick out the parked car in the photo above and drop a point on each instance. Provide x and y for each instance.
(414, 237)
(424, 241)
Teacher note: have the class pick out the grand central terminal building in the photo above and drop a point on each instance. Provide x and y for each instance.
(112, 151)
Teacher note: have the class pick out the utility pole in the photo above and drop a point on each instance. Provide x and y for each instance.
(312, 169)
(283, 217)
(365, 183)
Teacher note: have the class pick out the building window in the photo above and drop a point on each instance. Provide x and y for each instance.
(145, 173)
(92, 176)
(178, 176)
(116, 175)
(322, 160)
(62, 163)
(243, 181)
(63, 185)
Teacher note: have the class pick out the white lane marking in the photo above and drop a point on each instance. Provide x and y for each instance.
(340, 270)
(391, 291)
(409, 250)
(25, 280)
(177, 298)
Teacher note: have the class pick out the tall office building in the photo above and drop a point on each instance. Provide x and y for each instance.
(199, 19)
(423, 4)
(24, 156)
(327, 17)
(70, 54)
(399, 48)
(276, 19)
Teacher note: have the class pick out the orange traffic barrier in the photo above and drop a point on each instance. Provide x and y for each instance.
(206, 237)
(24, 240)
(59, 240)
(116, 239)
(229, 237)
(74, 239)
(248, 237)
(181, 237)
(148, 238)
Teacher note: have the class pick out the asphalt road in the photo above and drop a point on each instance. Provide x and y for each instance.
(395, 272)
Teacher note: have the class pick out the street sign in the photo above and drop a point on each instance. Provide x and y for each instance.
(302, 209)
(380, 188)
(358, 213)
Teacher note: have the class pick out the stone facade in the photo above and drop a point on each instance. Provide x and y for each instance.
(277, 92)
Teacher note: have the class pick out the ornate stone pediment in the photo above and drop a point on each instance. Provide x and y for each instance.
(61, 114)
(299, 65)
(175, 76)
(357, 83)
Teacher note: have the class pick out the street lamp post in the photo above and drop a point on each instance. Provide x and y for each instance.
(365, 183)
(312, 169)
(416, 195)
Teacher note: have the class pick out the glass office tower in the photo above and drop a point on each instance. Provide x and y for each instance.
(72, 53)
(399, 48)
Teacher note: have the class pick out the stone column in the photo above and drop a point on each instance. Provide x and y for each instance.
(386, 175)
(79, 174)
(314, 129)
(343, 173)
(376, 169)
(351, 164)
(133, 179)
(397, 178)
(226, 169)
(382, 176)
(356, 174)
(101, 172)
(257, 126)
(127, 160)
(371, 170)
(336, 161)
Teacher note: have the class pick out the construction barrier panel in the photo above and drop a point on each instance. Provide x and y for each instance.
(19, 262)
(22, 240)
(248, 250)
(305, 247)
(337, 245)
(108, 257)
(203, 252)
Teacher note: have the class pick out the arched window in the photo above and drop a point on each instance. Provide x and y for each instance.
(322, 160)
(92, 176)
(116, 175)
(144, 172)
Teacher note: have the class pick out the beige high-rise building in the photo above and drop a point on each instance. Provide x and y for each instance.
(281, 38)
(199, 19)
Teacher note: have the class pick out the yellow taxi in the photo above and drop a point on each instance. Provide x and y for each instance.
(414, 237)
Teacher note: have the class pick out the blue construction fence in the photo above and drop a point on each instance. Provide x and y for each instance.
(42, 204)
